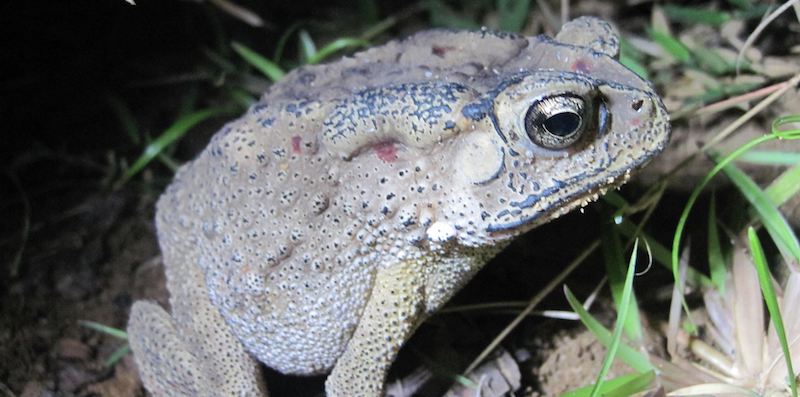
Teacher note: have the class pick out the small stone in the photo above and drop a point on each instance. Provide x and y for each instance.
(72, 349)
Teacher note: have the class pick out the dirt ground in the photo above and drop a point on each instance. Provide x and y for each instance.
(73, 248)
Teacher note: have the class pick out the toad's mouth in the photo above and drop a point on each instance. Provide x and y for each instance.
(569, 201)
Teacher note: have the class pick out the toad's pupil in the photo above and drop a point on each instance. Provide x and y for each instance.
(562, 124)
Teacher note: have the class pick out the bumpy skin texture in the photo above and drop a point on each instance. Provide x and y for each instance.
(321, 228)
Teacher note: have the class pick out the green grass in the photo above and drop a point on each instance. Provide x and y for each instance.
(626, 307)
(617, 281)
(171, 135)
(716, 260)
(773, 221)
(768, 292)
(118, 354)
(268, 68)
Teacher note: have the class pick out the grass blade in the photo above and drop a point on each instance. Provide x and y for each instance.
(634, 65)
(262, 64)
(281, 44)
(621, 386)
(785, 186)
(627, 354)
(125, 117)
(661, 254)
(678, 235)
(336, 45)
(115, 332)
(442, 15)
(671, 45)
(774, 222)
(513, 14)
(622, 314)
(615, 270)
(764, 278)
(177, 130)
(770, 157)
(307, 47)
(692, 15)
(117, 355)
(716, 262)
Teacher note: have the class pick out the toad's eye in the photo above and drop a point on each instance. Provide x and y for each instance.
(556, 122)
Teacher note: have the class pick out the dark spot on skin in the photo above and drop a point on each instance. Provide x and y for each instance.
(476, 111)
(307, 78)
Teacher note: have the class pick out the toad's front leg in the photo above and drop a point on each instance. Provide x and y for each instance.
(393, 312)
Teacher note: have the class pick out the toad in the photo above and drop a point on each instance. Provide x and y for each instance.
(317, 232)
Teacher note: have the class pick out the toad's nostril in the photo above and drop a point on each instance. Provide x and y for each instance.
(637, 104)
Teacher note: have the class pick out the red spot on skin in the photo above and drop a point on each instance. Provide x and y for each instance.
(636, 121)
(386, 151)
(296, 144)
(441, 51)
(581, 66)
